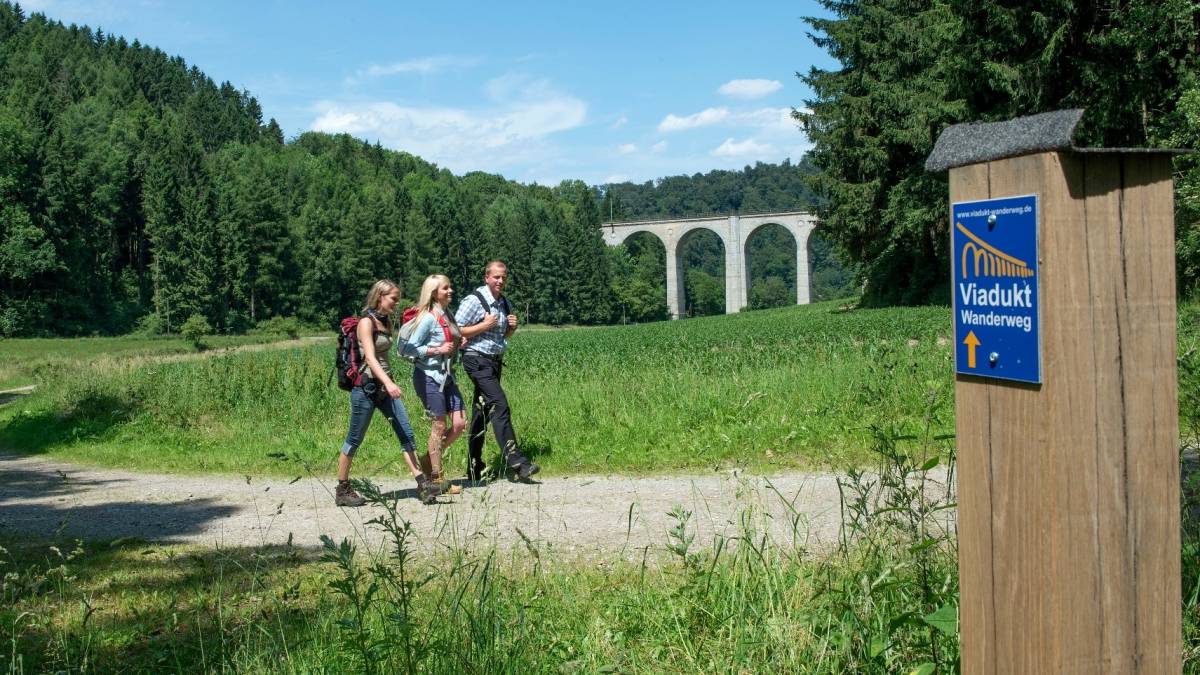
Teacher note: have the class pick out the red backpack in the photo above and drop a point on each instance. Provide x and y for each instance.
(408, 323)
(348, 361)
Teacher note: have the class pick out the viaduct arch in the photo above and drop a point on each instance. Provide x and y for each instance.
(735, 232)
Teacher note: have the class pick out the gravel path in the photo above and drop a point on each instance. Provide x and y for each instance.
(577, 517)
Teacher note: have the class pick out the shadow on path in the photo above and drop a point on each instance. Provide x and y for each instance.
(49, 502)
(18, 482)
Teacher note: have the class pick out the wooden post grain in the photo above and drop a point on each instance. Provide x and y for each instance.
(1069, 490)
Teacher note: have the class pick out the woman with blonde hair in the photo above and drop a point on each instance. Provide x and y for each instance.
(378, 391)
(433, 345)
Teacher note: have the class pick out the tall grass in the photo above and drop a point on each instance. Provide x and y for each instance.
(21, 358)
(786, 387)
(1189, 455)
(884, 601)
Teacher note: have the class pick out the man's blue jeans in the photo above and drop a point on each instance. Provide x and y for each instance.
(362, 408)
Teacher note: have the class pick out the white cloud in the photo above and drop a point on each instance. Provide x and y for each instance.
(776, 119)
(748, 148)
(621, 121)
(627, 148)
(615, 178)
(422, 66)
(512, 129)
(703, 118)
(748, 89)
(659, 146)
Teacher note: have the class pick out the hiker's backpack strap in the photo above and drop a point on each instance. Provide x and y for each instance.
(505, 306)
(441, 318)
(382, 320)
(483, 305)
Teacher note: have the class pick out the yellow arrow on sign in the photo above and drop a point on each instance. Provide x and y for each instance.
(971, 342)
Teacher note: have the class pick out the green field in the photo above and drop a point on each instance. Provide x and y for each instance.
(795, 387)
(21, 359)
(807, 386)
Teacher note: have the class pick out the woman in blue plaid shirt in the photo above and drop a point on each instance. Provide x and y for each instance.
(433, 345)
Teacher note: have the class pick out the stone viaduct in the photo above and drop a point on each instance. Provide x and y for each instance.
(735, 232)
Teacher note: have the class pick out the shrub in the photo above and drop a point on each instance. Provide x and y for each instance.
(150, 324)
(771, 292)
(279, 325)
(194, 330)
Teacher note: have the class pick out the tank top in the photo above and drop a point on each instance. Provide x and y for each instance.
(383, 347)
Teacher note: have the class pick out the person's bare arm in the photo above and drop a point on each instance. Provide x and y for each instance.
(489, 322)
(366, 338)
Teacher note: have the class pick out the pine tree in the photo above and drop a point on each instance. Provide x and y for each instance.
(174, 196)
(872, 124)
(27, 253)
(592, 301)
(549, 300)
(910, 69)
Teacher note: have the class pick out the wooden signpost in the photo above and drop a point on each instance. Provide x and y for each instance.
(1068, 522)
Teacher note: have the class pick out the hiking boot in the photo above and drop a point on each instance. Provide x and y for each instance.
(524, 469)
(445, 485)
(346, 496)
(427, 490)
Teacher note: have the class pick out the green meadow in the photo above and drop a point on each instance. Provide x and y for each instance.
(816, 386)
(22, 358)
(786, 388)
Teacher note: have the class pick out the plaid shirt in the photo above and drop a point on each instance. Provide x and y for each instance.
(491, 342)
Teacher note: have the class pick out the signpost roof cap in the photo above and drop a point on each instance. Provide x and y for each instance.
(972, 143)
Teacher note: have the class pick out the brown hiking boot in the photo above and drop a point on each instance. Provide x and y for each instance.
(427, 490)
(445, 485)
(346, 496)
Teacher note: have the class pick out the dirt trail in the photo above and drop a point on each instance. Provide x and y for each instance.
(577, 517)
(209, 353)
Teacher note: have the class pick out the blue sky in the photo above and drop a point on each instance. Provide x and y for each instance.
(601, 92)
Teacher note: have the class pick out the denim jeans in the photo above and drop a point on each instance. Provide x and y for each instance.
(362, 408)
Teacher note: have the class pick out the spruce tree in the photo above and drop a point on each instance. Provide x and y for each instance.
(592, 301)
(872, 123)
(910, 69)
(549, 299)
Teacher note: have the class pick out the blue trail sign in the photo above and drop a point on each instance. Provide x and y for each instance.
(995, 268)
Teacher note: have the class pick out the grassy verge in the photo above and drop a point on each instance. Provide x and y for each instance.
(21, 359)
(884, 601)
(1189, 427)
(794, 387)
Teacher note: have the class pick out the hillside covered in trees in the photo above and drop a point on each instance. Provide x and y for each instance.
(135, 192)
(138, 191)
(754, 189)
